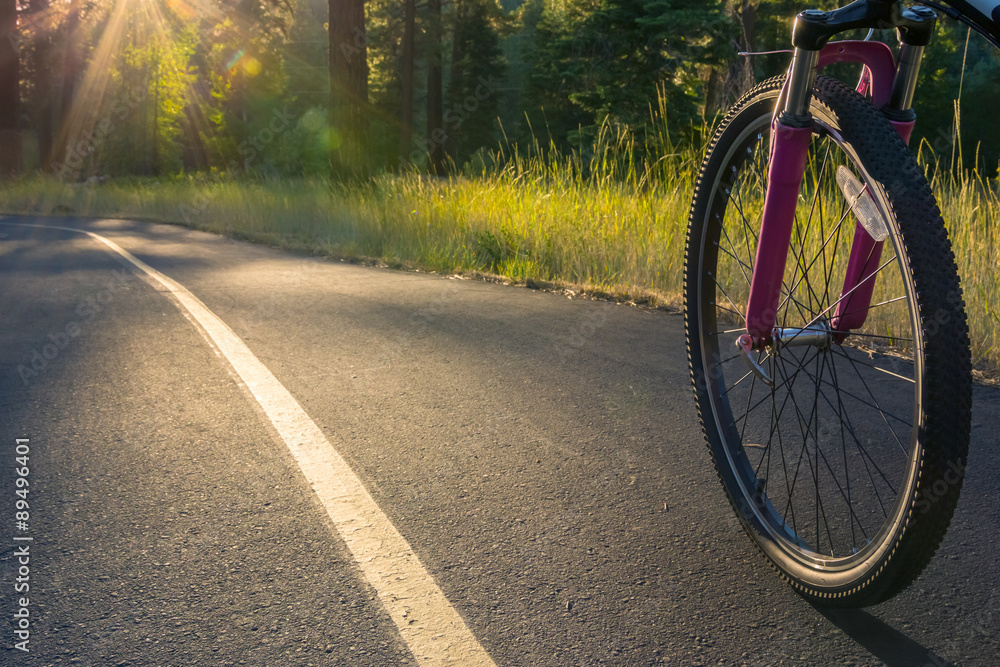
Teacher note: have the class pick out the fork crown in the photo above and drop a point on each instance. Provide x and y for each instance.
(914, 25)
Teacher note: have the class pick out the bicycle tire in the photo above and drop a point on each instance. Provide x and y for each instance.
(835, 537)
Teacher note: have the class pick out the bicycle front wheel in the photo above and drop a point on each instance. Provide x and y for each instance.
(843, 455)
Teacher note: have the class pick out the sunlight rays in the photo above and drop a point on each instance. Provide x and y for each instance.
(153, 84)
(83, 119)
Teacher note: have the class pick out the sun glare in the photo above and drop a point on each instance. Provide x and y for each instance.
(157, 74)
(135, 33)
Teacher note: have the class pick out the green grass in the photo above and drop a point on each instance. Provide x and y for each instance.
(606, 223)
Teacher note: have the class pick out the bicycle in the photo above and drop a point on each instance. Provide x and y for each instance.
(825, 322)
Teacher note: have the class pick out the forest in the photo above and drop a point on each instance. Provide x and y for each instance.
(108, 88)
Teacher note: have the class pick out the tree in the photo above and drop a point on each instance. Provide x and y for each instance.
(607, 61)
(959, 69)
(406, 76)
(10, 91)
(69, 72)
(244, 68)
(436, 135)
(41, 81)
(727, 81)
(477, 66)
(349, 88)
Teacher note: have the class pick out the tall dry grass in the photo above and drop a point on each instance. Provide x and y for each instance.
(605, 219)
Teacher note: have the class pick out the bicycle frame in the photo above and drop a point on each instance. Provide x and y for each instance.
(890, 81)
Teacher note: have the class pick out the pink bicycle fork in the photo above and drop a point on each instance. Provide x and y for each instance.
(791, 136)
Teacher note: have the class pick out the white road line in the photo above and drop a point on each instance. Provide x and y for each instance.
(428, 623)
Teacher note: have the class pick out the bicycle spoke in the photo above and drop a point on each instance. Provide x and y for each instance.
(865, 457)
(745, 226)
(873, 306)
(848, 293)
(877, 368)
(822, 248)
(813, 467)
(803, 233)
(787, 386)
(881, 412)
(855, 334)
(845, 422)
(749, 373)
(727, 296)
(753, 383)
(738, 203)
(847, 473)
(727, 331)
(873, 405)
(728, 310)
(743, 267)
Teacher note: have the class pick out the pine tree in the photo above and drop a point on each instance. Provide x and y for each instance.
(477, 69)
(607, 61)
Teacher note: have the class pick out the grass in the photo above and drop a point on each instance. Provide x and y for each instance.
(600, 223)
(971, 209)
(606, 223)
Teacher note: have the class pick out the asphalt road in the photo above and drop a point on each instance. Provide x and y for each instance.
(539, 453)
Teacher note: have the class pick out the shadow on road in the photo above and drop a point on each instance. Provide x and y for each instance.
(883, 641)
